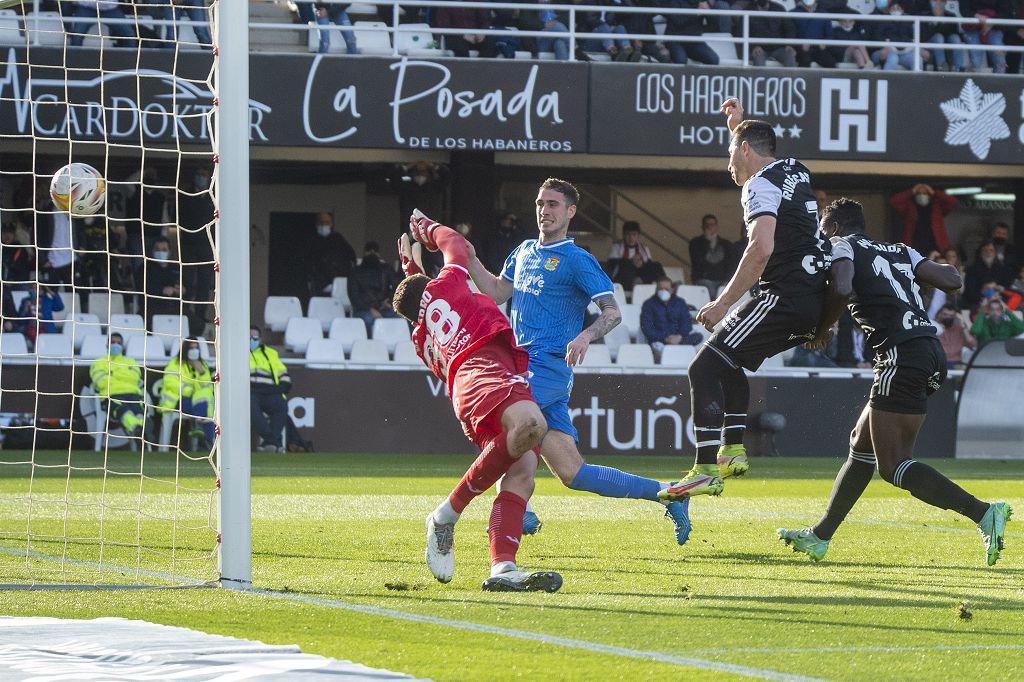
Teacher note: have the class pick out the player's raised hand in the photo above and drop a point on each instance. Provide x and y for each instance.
(577, 350)
(733, 111)
(422, 229)
(409, 264)
(711, 314)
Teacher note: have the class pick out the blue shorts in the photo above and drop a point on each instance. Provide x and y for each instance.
(551, 383)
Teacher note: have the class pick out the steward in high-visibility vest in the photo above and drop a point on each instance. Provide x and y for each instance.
(188, 386)
(268, 382)
(118, 378)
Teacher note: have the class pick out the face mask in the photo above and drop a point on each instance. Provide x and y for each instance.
(808, 3)
(323, 229)
(192, 354)
(988, 263)
(922, 199)
(896, 13)
(420, 180)
(882, 5)
(161, 255)
(846, 27)
(254, 344)
(462, 229)
(201, 181)
(371, 260)
(664, 295)
(116, 349)
(998, 241)
(989, 292)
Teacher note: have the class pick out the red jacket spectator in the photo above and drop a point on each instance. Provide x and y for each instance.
(938, 202)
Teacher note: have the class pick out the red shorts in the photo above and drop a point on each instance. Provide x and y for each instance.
(484, 386)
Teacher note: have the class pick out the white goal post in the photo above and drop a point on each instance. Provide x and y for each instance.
(147, 487)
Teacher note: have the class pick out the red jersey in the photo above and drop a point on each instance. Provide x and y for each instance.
(454, 321)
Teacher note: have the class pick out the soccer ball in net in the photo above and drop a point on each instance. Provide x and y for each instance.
(78, 188)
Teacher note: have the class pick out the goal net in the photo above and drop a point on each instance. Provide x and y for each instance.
(109, 388)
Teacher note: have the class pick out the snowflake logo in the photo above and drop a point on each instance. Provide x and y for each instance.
(975, 119)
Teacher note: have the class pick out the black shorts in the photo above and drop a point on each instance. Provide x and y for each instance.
(906, 374)
(765, 326)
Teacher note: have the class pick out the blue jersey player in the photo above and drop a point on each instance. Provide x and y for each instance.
(551, 281)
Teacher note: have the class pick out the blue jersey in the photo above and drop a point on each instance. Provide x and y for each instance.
(552, 285)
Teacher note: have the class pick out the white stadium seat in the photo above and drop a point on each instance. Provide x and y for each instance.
(278, 309)
(325, 309)
(774, 362)
(391, 331)
(72, 304)
(171, 328)
(416, 39)
(13, 343)
(339, 290)
(695, 295)
(405, 354)
(615, 338)
(348, 330)
(9, 28)
(103, 305)
(723, 47)
(635, 355)
(619, 293)
(127, 326)
(57, 346)
(82, 326)
(325, 352)
(677, 356)
(598, 355)
(368, 40)
(642, 292)
(299, 331)
(676, 273)
(93, 347)
(369, 352)
(46, 27)
(631, 318)
(146, 349)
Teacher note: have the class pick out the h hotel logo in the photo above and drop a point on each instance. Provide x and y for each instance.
(853, 109)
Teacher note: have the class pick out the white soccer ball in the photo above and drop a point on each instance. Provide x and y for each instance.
(78, 188)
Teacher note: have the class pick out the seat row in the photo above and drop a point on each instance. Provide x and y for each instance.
(144, 348)
(47, 29)
(301, 331)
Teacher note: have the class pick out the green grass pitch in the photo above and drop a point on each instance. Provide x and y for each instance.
(885, 604)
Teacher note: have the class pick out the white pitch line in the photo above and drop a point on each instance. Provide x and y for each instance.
(700, 663)
(868, 649)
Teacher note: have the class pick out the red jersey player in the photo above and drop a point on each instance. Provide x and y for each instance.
(466, 341)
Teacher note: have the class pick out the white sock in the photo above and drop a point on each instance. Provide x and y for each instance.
(528, 507)
(502, 567)
(444, 513)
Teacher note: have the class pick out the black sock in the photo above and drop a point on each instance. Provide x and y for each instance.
(733, 428)
(706, 403)
(851, 481)
(736, 396)
(928, 485)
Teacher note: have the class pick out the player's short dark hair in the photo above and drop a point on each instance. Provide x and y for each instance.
(708, 216)
(118, 335)
(844, 215)
(408, 296)
(571, 194)
(630, 226)
(760, 135)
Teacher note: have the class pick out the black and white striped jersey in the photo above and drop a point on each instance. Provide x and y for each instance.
(886, 298)
(800, 257)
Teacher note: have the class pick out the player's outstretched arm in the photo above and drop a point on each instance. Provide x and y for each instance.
(755, 257)
(498, 288)
(733, 111)
(609, 318)
(940, 275)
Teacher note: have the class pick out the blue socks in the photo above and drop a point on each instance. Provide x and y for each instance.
(610, 482)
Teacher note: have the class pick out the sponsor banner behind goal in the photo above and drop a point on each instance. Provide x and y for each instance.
(642, 414)
(520, 106)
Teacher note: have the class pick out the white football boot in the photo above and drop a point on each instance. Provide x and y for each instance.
(440, 549)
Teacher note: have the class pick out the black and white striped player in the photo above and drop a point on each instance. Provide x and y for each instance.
(881, 283)
(787, 259)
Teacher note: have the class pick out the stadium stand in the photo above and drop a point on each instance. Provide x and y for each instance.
(405, 354)
(325, 353)
(369, 352)
(635, 355)
(391, 331)
(278, 309)
(347, 330)
(299, 331)
(325, 309)
(677, 356)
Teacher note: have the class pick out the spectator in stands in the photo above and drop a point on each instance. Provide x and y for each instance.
(8, 313)
(501, 242)
(55, 231)
(268, 384)
(1018, 283)
(328, 255)
(986, 277)
(19, 261)
(475, 18)
(812, 30)
(924, 210)
(369, 289)
(552, 23)
(665, 319)
(421, 185)
(163, 283)
(93, 260)
(1014, 36)
(90, 12)
(891, 58)
(630, 260)
(770, 27)
(938, 33)
(849, 29)
(996, 324)
(323, 14)
(694, 25)
(187, 387)
(196, 225)
(710, 257)
(986, 31)
(588, 21)
(1006, 254)
(118, 378)
(35, 314)
(954, 336)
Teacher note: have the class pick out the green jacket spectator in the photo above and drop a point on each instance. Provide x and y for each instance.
(996, 324)
(188, 386)
(268, 382)
(119, 379)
